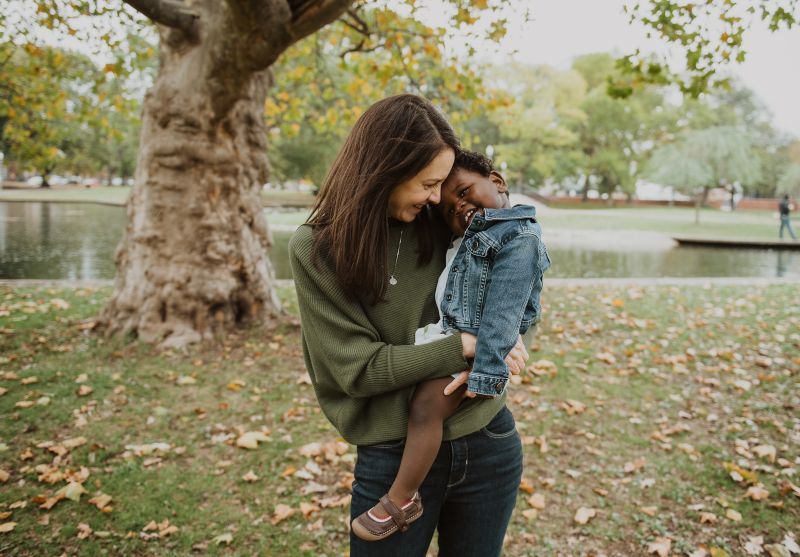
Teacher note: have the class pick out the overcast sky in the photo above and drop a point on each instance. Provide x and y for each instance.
(564, 29)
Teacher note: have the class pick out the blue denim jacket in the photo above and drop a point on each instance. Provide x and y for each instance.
(493, 289)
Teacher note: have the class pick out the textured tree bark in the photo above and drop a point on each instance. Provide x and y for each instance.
(194, 257)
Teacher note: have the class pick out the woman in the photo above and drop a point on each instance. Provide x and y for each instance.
(365, 267)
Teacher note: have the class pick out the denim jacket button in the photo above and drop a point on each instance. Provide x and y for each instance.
(499, 387)
(455, 269)
(449, 297)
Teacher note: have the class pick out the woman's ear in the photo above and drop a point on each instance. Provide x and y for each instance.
(498, 181)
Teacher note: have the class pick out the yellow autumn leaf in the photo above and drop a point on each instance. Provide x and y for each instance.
(250, 439)
(7, 527)
(226, 538)
(71, 491)
(282, 512)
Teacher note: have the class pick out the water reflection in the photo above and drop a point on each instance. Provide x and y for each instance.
(78, 241)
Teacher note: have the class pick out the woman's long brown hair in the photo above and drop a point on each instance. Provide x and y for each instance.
(390, 143)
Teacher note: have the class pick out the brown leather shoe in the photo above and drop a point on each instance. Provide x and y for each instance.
(367, 527)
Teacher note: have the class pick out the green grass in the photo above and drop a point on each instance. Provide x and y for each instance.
(761, 225)
(678, 353)
(119, 195)
(74, 194)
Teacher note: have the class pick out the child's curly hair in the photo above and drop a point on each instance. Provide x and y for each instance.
(473, 161)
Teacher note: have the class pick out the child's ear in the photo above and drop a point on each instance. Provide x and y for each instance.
(498, 181)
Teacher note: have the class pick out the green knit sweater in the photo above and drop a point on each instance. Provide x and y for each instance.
(362, 359)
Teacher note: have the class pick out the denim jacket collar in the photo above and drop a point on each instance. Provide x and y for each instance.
(516, 212)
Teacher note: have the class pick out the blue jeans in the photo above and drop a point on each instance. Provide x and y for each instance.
(786, 222)
(468, 495)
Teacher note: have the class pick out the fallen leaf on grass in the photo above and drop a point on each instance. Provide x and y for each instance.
(101, 500)
(164, 528)
(572, 407)
(3, 391)
(754, 545)
(185, 380)
(250, 477)
(718, 552)
(226, 538)
(635, 465)
(776, 550)
(7, 527)
(606, 357)
(708, 518)
(71, 491)
(84, 530)
(766, 451)
(790, 543)
(660, 547)
(757, 493)
(739, 474)
(4, 476)
(282, 512)
(584, 515)
(84, 390)
(537, 501)
(5, 515)
(288, 471)
(308, 509)
(250, 439)
(733, 515)
(649, 511)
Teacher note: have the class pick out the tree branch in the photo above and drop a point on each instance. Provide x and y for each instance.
(310, 15)
(171, 13)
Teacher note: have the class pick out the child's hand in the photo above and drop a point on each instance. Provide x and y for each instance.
(470, 394)
(517, 357)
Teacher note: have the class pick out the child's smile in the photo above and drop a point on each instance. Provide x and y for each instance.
(466, 193)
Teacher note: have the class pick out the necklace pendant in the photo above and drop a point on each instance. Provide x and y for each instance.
(392, 280)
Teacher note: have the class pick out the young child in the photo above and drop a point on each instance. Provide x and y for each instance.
(490, 287)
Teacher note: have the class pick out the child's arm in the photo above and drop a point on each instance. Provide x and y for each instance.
(503, 308)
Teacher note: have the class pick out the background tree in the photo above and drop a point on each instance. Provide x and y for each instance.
(532, 131)
(789, 182)
(42, 101)
(705, 159)
(617, 134)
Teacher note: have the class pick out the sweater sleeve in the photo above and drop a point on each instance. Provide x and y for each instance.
(343, 348)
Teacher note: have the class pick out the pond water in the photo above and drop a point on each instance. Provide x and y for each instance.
(78, 241)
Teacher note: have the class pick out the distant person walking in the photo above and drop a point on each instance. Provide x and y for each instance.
(786, 207)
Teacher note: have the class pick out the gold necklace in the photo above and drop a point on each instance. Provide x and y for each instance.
(393, 280)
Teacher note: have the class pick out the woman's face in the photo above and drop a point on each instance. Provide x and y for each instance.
(409, 198)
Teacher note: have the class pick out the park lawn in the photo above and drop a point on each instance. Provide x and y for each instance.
(71, 194)
(635, 401)
(670, 221)
(119, 196)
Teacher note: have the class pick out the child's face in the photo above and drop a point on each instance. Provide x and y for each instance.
(466, 193)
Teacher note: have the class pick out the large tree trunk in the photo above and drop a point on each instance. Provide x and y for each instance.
(194, 254)
(193, 259)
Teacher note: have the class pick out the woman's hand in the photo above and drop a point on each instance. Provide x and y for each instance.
(515, 361)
